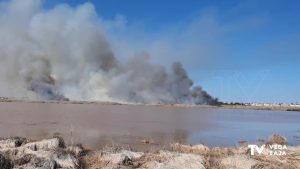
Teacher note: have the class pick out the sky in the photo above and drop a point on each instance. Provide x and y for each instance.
(237, 50)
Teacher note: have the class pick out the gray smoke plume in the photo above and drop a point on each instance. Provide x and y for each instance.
(62, 53)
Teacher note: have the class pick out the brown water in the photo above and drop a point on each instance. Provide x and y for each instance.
(95, 124)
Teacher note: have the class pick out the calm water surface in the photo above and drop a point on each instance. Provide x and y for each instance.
(95, 124)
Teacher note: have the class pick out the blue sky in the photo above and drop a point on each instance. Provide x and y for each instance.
(237, 50)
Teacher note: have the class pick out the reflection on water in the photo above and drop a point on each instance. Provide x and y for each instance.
(95, 124)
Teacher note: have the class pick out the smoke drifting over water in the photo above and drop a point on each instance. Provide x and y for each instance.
(63, 53)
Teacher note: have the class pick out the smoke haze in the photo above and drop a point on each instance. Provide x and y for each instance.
(63, 53)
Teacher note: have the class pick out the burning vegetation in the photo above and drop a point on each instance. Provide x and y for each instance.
(63, 53)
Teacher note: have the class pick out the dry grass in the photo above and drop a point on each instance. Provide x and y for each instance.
(196, 149)
(93, 161)
(27, 154)
(277, 139)
(239, 157)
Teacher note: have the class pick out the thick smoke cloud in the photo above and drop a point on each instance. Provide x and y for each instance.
(63, 53)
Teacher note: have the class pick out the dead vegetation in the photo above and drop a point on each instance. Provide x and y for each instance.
(21, 153)
(277, 139)
(240, 158)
